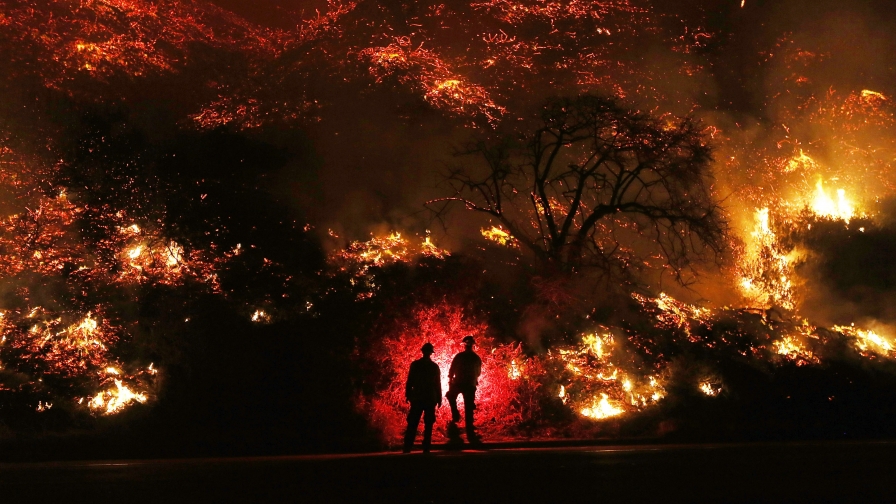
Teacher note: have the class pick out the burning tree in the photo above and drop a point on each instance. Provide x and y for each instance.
(593, 183)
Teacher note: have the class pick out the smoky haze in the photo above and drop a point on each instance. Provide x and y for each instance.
(378, 152)
(374, 146)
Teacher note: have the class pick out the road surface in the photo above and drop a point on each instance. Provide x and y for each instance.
(785, 472)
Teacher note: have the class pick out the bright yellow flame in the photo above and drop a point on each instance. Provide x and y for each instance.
(867, 93)
(428, 248)
(825, 206)
(602, 409)
(594, 344)
(87, 325)
(867, 340)
(499, 236)
(515, 373)
(762, 227)
(658, 392)
(707, 389)
(115, 400)
(175, 255)
(448, 84)
(591, 368)
(793, 349)
(135, 252)
(260, 316)
(765, 270)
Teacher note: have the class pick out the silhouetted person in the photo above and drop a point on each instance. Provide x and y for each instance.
(463, 378)
(424, 391)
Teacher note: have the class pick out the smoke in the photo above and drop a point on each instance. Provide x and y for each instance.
(375, 143)
(772, 77)
(848, 270)
(372, 173)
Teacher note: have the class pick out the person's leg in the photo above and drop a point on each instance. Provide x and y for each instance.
(452, 401)
(469, 411)
(429, 419)
(413, 422)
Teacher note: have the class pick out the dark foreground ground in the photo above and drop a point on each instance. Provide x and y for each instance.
(804, 472)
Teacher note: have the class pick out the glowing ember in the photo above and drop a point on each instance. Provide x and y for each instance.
(156, 260)
(425, 72)
(671, 313)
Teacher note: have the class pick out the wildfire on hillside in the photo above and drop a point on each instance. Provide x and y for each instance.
(821, 156)
(66, 350)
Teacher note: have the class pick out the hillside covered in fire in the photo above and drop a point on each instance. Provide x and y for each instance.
(230, 229)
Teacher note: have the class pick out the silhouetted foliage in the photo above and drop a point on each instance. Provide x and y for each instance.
(597, 185)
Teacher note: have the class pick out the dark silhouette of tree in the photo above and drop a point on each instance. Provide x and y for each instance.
(597, 185)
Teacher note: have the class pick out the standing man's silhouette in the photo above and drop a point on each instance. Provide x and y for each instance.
(463, 378)
(424, 391)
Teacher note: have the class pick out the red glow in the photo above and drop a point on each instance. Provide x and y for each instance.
(443, 325)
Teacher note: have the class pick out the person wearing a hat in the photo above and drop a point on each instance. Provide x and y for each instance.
(423, 390)
(463, 378)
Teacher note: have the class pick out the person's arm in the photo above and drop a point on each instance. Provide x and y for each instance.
(439, 384)
(409, 384)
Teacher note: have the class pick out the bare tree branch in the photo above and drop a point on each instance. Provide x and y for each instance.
(591, 160)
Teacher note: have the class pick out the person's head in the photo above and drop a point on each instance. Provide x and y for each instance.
(468, 342)
(427, 349)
